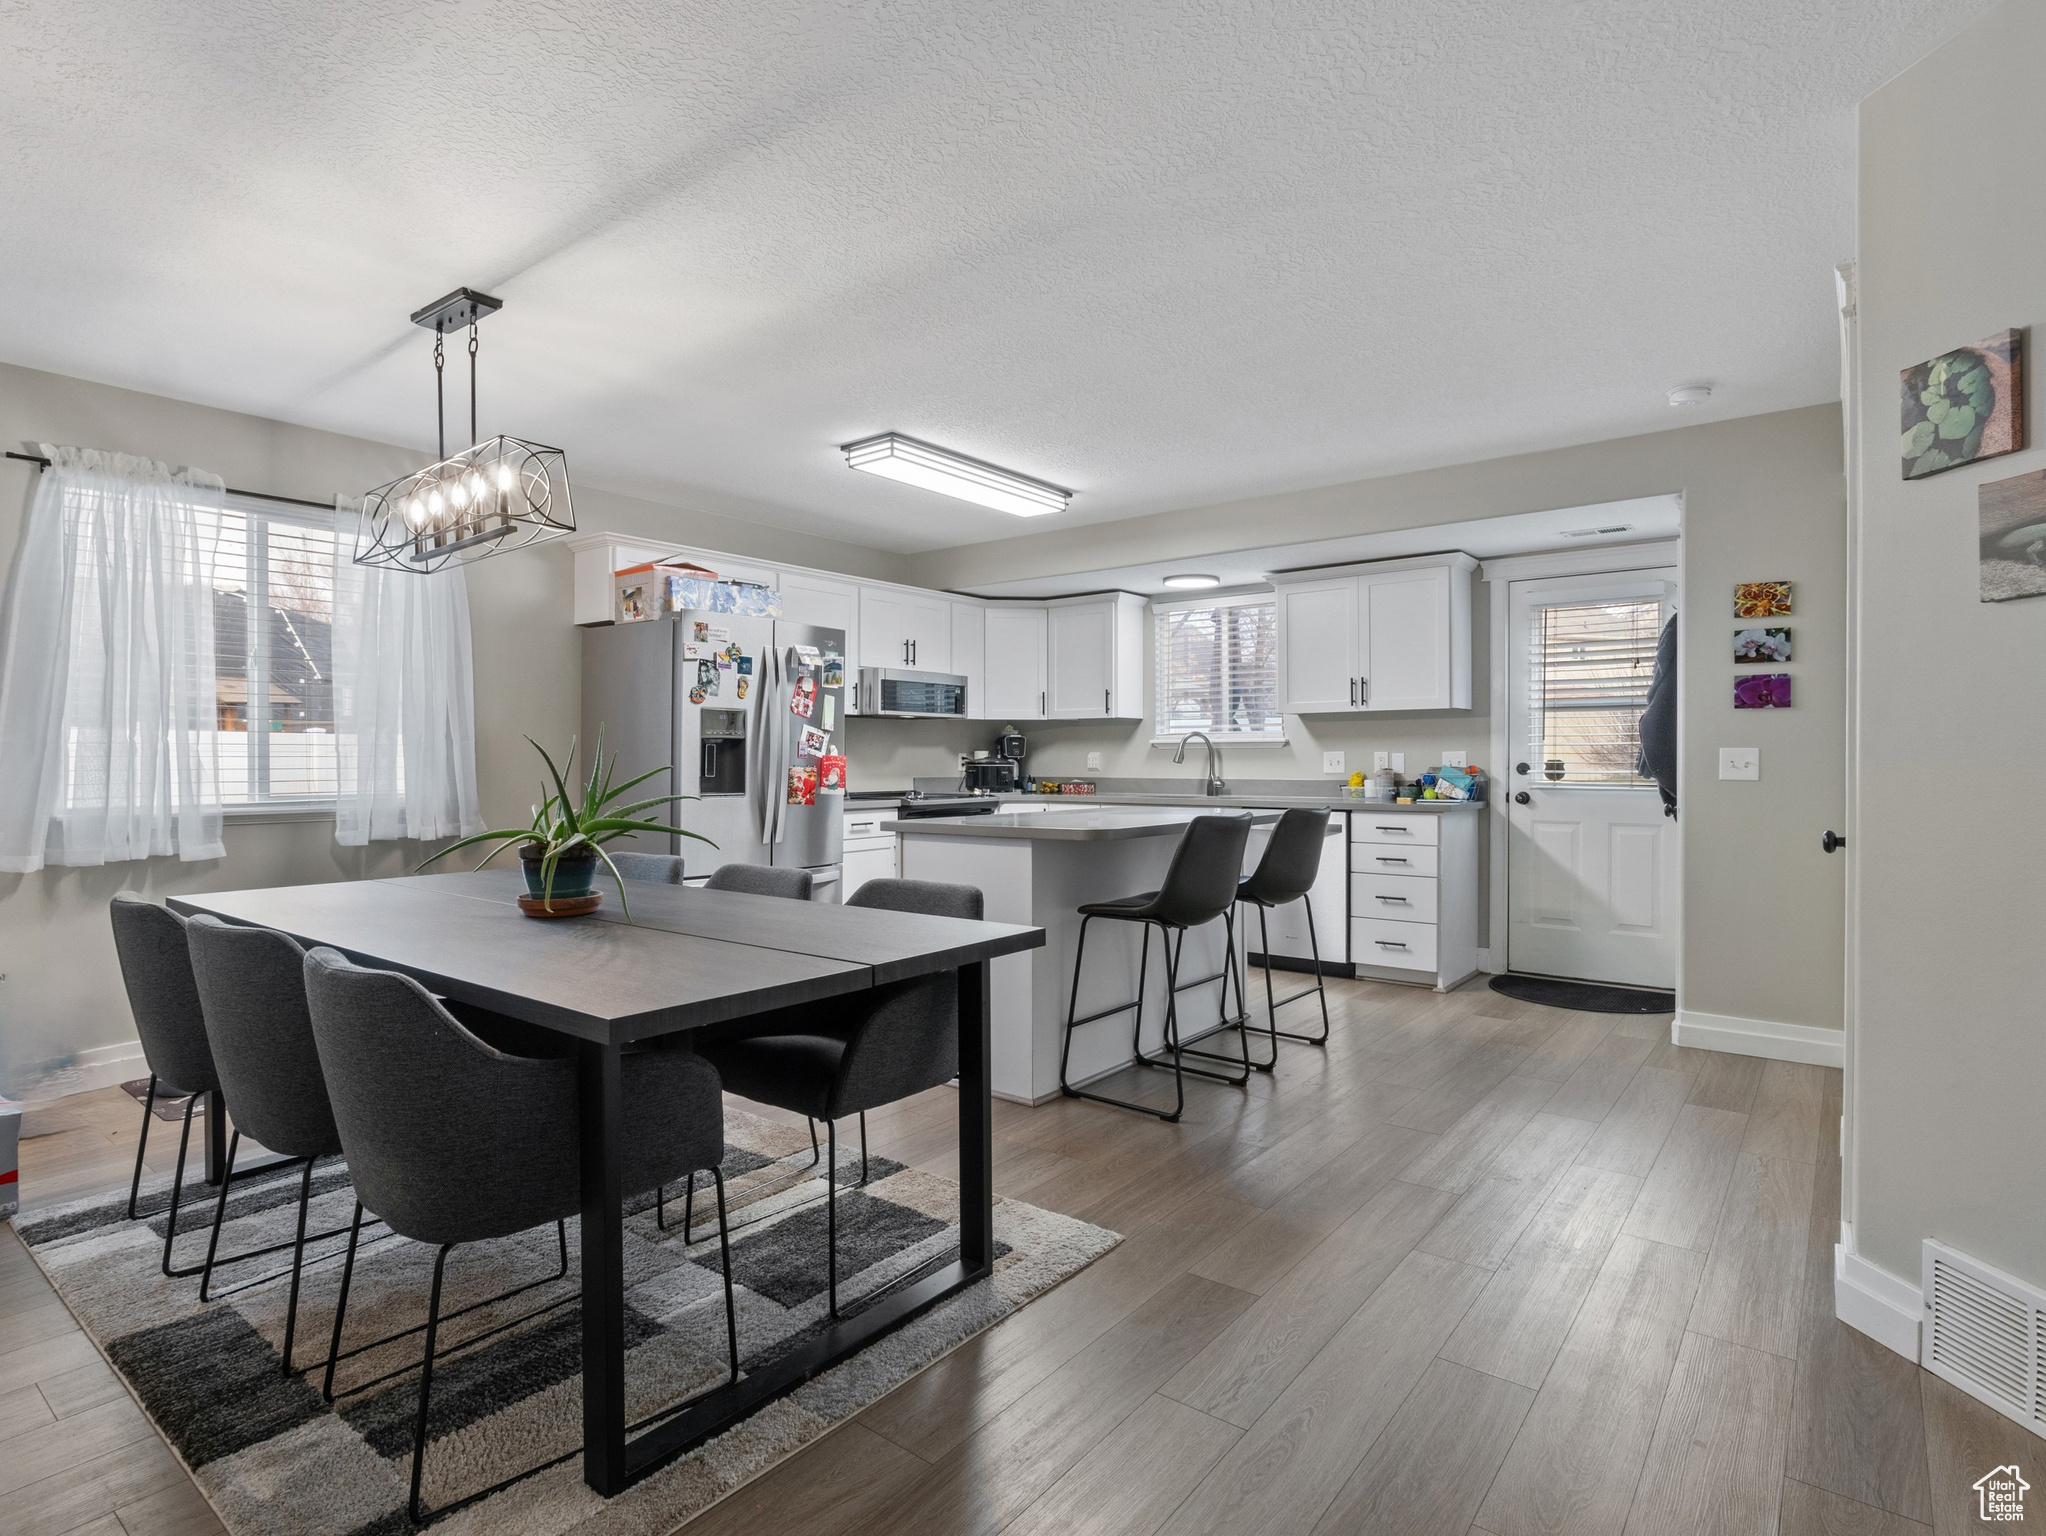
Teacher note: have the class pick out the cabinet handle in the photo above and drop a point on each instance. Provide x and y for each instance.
(1040, 705)
(1364, 689)
(1403, 831)
(1353, 693)
(1387, 944)
(1400, 899)
(912, 653)
(1386, 858)
(1104, 701)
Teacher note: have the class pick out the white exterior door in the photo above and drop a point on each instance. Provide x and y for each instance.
(1318, 647)
(1405, 625)
(1592, 861)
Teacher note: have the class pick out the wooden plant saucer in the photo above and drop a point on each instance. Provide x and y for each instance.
(561, 906)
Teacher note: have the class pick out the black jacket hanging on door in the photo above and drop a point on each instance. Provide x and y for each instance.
(1658, 759)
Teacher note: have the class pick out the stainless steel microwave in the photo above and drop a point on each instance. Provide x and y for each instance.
(915, 695)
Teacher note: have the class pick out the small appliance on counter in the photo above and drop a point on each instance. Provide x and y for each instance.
(999, 772)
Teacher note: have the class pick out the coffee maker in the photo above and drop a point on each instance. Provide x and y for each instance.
(999, 772)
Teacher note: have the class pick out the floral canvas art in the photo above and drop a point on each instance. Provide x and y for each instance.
(1761, 599)
(1964, 405)
(1762, 690)
(1761, 645)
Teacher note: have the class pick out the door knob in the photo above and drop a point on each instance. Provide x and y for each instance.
(1831, 841)
(1520, 768)
(1523, 798)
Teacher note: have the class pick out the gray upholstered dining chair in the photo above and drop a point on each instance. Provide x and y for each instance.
(852, 1054)
(451, 1141)
(156, 968)
(654, 868)
(761, 880)
(251, 984)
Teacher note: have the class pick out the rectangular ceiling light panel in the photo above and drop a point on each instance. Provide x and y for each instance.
(952, 474)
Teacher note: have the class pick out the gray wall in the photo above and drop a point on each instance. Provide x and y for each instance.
(1763, 500)
(1949, 1052)
(62, 993)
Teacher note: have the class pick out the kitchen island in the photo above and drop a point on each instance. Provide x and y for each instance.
(1038, 867)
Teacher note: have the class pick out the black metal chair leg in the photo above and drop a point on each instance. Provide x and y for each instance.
(170, 1231)
(305, 1195)
(1137, 1034)
(725, 1254)
(341, 1302)
(1072, 1009)
(426, 1383)
(815, 1155)
(831, 1218)
(1319, 990)
(219, 1214)
(863, 1147)
(1180, 1051)
(689, 1207)
(142, 1146)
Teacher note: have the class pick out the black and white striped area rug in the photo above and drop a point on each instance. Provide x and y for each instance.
(275, 1459)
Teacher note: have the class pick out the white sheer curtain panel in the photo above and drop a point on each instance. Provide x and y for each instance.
(107, 715)
(404, 699)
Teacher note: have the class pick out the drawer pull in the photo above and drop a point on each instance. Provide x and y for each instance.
(1389, 859)
(1400, 899)
(1387, 944)
(1403, 831)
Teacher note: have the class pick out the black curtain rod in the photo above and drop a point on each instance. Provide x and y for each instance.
(290, 501)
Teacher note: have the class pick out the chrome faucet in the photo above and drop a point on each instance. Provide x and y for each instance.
(1214, 786)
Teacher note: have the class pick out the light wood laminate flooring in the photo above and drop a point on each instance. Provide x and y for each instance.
(1478, 1267)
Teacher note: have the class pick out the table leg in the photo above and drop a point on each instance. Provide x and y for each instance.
(976, 1121)
(603, 1248)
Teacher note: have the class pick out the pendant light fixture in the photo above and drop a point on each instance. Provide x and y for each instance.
(498, 494)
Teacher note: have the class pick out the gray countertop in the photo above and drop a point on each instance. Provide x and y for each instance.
(1062, 825)
(1277, 802)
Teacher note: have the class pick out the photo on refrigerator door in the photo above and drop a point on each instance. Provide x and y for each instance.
(803, 784)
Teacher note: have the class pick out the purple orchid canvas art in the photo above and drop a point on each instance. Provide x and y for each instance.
(1763, 690)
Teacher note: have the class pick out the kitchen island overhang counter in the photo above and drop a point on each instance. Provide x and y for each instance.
(1039, 867)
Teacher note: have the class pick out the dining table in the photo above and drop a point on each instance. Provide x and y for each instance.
(685, 958)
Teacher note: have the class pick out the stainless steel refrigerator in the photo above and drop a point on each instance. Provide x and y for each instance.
(747, 714)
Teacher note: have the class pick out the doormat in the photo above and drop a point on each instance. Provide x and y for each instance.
(1585, 996)
(167, 1106)
(273, 1458)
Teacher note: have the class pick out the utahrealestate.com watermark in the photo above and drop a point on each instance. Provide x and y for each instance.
(2003, 1496)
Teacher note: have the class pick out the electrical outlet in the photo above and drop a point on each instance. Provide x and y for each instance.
(1399, 762)
(1332, 762)
(1093, 759)
(1380, 761)
(1452, 759)
(1740, 762)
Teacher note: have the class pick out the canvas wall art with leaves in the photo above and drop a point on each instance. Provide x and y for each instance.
(2012, 515)
(1964, 405)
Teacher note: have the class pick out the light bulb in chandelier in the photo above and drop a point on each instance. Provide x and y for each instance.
(458, 494)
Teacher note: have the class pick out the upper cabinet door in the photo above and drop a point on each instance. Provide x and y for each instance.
(1407, 631)
(1016, 639)
(1082, 652)
(905, 631)
(969, 655)
(1319, 647)
(808, 599)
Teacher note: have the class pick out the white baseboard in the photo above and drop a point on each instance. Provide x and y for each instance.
(104, 1066)
(1760, 1037)
(1871, 1300)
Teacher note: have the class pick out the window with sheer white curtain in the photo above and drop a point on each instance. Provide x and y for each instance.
(1218, 668)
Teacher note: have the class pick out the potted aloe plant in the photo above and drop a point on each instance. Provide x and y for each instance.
(561, 849)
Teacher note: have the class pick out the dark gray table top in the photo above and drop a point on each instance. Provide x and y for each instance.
(606, 979)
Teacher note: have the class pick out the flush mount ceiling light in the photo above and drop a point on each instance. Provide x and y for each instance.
(953, 474)
(1690, 394)
(1193, 583)
(498, 494)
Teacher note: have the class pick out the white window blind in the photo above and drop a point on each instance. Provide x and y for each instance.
(1218, 669)
(1589, 684)
(273, 609)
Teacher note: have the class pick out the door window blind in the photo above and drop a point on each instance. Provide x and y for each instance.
(1592, 664)
(1218, 669)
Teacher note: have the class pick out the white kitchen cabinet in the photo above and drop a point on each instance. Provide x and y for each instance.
(1394, 635)
(1017, 637)
(905, 630)
(969, 654)
(1414, 894)
(1095, 663)
(598, 556)
(867, 852)
(831, 602)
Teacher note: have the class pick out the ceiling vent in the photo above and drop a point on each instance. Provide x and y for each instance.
(1986, 1333)
(1592, 533)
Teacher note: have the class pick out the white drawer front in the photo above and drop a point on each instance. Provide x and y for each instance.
(1400, 898)
(1420, 827)
(1383, 859)
(867, 823)
(1409, 946)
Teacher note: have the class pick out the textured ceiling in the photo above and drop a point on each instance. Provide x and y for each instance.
(1162, 253)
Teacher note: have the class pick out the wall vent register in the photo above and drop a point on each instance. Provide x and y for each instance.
(1985, 1332)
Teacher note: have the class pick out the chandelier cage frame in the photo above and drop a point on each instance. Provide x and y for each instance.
(498, 494)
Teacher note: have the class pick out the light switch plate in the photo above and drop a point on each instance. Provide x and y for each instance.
(1399, 762)
(1332, 762)
(1452, 759)
(1380, 761)
(1740, 762)
(1093, 759)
